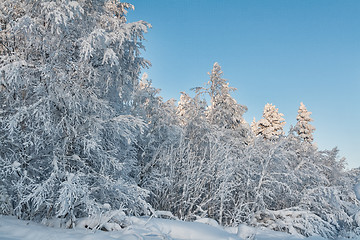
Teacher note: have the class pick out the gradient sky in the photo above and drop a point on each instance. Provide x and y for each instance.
(282, 52)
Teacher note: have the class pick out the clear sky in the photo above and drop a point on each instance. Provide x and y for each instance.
(273, 51)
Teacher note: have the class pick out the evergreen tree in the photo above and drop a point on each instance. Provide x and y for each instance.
(184, 107)
(223, 111)
(303, 127)
(272, 123)
(254, 126)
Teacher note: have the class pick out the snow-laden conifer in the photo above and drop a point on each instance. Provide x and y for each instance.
(303, 127)
(254, 126)
(223, 111)
(184, 105)
(272, 123)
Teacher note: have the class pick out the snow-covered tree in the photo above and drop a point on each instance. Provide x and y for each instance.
(68, 70)
(288, 185)
(196, 176)
(191, 110)
(254, 126)
(223, 111)
(303, 127)
(191, 175)
(184, 107)
(272, 123)
(162, 130)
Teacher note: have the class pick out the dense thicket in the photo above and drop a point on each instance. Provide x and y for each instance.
(221, 169)
(82, 135)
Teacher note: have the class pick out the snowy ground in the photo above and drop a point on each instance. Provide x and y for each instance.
(141, 229)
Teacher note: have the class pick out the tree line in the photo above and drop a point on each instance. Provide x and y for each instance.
(82, 134)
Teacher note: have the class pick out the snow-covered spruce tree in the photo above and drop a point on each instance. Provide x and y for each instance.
(223, 111)
(185, 108)
(254, 126)
(272, 123)
(67, 74)
(303, 127)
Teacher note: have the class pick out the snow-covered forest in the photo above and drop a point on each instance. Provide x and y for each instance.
(84, 135)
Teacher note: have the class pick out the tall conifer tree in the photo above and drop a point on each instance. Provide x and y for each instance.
(303, 127)
(223, 111)
(272, 123)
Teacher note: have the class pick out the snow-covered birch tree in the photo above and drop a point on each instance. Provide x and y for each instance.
(162, 132)
(68, 70)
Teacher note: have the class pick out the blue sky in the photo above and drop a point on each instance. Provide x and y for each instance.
(281, 52)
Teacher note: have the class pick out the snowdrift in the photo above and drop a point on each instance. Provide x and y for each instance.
(141, 228)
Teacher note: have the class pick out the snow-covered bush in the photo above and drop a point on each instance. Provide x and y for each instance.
(5, 204)
(295, 221)
(291, 174)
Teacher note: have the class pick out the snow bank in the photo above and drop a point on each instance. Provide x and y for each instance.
(140, 229)
(13, 229)
(189, 230)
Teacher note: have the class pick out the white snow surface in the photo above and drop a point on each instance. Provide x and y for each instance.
(141, 229)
